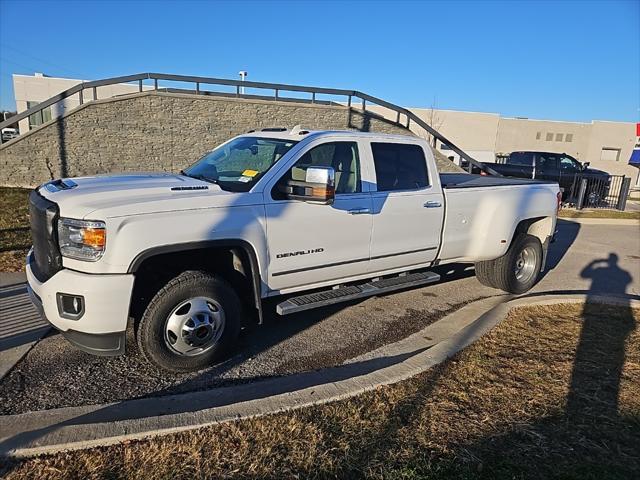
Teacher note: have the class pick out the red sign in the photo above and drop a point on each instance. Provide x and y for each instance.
(637, 129)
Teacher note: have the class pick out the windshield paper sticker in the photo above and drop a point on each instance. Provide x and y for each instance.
(244, 179)
(250, 173)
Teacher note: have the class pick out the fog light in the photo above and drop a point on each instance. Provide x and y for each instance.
(70, 306)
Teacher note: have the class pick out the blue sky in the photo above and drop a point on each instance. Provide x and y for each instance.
(547, 59)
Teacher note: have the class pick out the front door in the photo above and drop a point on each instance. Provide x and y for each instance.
(310, 243)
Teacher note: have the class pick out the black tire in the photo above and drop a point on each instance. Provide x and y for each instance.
(501, 273)
(484, 273)
(188, 285)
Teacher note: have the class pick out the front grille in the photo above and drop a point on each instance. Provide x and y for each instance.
(43, 215)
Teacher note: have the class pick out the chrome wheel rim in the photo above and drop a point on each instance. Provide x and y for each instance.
(194, 326)
(594, 198)
(526, 262)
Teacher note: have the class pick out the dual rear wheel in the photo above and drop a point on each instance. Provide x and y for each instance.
(517, 271)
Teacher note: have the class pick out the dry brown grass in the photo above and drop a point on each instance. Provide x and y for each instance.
(553, 392)
(13, 261)
(14, 228)
(571, 213)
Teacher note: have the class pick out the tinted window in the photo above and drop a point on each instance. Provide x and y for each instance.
(399, 166)
(548, 161)
(521, 158)
(569, 164)
(342, 156)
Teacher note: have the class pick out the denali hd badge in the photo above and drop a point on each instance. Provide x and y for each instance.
(299, 252)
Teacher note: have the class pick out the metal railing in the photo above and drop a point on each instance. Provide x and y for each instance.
(404, 117)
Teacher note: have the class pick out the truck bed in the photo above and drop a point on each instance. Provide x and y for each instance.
(466, 180)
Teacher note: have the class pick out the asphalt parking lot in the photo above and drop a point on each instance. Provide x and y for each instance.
(54, 374)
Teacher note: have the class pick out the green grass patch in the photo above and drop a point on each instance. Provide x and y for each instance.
(552, 392)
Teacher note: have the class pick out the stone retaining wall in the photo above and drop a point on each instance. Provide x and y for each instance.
(158, 131)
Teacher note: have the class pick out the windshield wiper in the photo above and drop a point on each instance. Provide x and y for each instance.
(199, 177)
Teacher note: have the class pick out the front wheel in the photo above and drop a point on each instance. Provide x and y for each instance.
(191, 323)
(517, 271)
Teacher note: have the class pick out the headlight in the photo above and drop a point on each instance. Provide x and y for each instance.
(82, 239)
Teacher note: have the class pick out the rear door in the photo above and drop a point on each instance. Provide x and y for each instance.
(547, 167)
(408, 208)
(310, 243)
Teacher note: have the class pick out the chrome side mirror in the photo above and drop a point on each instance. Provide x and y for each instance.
(317, 187)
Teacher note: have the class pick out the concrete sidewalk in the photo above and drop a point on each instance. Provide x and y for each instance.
(21, 326)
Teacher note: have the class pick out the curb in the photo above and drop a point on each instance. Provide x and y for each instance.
(72, 428)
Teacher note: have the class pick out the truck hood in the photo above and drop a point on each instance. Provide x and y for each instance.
(595, 172)
(104, 196)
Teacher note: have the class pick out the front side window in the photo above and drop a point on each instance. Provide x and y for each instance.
(240, 163)
(569, 164)
(399, 166)
(342, 156)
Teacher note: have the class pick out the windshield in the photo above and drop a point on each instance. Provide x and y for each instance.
(239, 164)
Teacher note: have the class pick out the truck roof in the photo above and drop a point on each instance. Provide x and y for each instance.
(297, 134)
(541, 151)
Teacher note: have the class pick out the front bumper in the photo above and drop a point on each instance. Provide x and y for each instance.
(101, 329)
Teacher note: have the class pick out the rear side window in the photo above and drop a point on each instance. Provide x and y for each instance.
(521, 158)
(548, 161)
(399, 166)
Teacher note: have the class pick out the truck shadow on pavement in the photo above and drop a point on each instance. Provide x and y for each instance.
(565, 237)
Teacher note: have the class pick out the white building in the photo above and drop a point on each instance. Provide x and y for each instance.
(29, 90)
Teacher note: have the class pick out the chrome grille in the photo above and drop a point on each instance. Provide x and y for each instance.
(43, 215)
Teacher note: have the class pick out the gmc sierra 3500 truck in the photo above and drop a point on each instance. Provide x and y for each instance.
(329, 215)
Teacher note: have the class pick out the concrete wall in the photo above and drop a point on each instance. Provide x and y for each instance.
(614, 135)
(38, 88)
(586, 141)
(157, 131)
(483, 135)
(522, 134)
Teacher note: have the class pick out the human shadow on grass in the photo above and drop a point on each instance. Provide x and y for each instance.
(590, 438)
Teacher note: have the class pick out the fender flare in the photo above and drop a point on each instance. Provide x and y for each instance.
(226, 243)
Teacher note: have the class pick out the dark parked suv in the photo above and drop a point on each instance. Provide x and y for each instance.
(557, 167)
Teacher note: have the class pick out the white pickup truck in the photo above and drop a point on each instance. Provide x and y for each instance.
(329, 215)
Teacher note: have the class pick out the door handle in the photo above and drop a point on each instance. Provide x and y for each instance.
(433, 204)
(359, 211)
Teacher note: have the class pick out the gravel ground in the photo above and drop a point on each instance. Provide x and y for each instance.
(55, 374)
